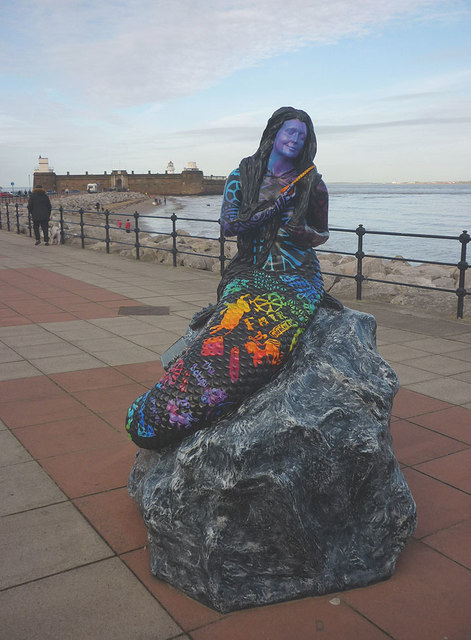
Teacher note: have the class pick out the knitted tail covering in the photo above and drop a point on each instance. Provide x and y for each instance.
(255, 326)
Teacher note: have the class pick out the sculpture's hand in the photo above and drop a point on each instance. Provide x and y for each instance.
(284, 201)
(306, 236)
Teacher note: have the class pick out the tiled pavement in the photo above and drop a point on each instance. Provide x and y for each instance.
(73, 557)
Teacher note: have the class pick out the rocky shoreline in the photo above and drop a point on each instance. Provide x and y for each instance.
(197, 253)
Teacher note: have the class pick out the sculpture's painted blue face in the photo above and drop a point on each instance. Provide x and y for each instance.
(290, 139)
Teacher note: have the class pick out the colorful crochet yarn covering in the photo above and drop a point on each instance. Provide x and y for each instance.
(256, 325)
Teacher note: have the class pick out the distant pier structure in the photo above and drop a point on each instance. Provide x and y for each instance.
(191, 181)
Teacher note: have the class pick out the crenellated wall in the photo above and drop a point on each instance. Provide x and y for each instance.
(176, 184)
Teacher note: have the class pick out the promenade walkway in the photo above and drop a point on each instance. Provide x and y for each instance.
(73, 561)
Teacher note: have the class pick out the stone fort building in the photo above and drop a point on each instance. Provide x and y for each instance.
(191, 181)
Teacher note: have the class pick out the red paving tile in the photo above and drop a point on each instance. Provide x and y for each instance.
(41, 318)
(438, 505)
(454, 422)
(409, 403)
(299, 620)
(143, 371)
(39, 295)
(453, 469)
(188, 613)
(25, 412)
(413, 444)
(453, 542)
(116, 518)
(115, 419)
(30, 388)
(14, 321)
(89, 379)
(111, 399)
(428, 597)
(68, 435)
(93, 471)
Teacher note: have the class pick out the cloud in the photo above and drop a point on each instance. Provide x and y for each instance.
(393, 124)
(138, 52)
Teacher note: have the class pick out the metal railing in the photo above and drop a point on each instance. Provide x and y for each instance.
(21, 222)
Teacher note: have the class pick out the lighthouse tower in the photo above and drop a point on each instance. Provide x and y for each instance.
(170, 167)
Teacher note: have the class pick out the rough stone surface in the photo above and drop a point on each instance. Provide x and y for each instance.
(297, 493)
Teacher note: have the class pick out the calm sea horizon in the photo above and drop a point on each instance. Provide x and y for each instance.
(431, 209)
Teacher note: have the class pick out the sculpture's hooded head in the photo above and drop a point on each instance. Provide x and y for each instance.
(306, 156)
(253, 168)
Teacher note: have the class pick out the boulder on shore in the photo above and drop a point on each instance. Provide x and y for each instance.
(297, 493)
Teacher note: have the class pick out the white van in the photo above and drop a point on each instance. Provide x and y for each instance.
(92, 188)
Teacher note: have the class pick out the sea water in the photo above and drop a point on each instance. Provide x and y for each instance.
(429, 209)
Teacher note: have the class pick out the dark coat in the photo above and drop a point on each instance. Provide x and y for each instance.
(39, 205)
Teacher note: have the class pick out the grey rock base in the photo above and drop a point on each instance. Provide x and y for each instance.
(297, 493)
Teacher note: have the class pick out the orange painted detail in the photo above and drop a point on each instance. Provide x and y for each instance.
(269, 349)
(281, 328)
(213, 346)
(232, 315)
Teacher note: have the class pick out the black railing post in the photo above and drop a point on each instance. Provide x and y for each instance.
(0, 216)
(107, 230)
(462, 266)
(8, 217)
(173, 218)
(17, 219)
(61, 223)
(136, 230)
(82, 235)
(222, 252)
(360, 231)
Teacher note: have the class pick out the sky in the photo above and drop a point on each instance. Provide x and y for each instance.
(98, 86)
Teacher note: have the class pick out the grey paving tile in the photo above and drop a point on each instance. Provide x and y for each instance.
(3, 426)
(49, 350)
(435, 345)
(11, 451)
(21, 330)
(61, 364)
(188, 313)
(154, 340)
(408, 374)
(172, 323)
(133, 293)
(198, 297)
(443, 388)
(15, 370)
(442, 365)
(129, 355)
(8, 355)
(400, 353)
(464, 377)
(31, 339)
(102, 344)
(462, 354)
(45, 541)
(464, 326)
(80, 604)
(123, 326)
(26, 486)
(75, 328)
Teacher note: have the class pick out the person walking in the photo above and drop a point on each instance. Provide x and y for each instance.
(127, 226)
(39, 208)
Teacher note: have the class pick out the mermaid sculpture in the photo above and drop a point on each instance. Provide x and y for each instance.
(276, 203)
